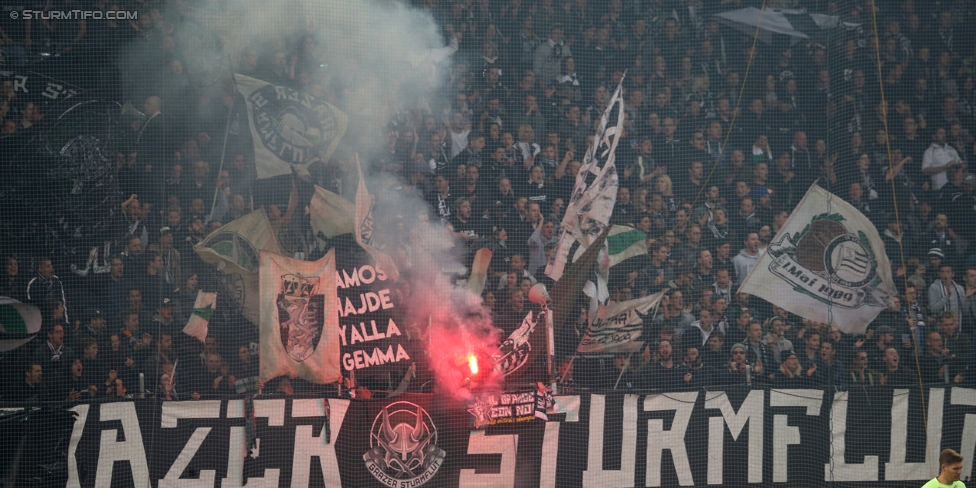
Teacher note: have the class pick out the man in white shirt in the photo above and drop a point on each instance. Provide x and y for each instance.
(550, 54)
(939, 157)
(460, 128)
(747, 257)
(544, 234)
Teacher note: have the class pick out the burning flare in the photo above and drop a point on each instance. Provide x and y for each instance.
(473, 363)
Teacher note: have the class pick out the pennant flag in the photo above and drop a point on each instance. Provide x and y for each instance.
(364, 228)
(595, 193)
(520, 351)
(234, 249)
(618, 328)
(289, 127)
(331, 214)
(299, 318)
(203, 308)
(827, 264)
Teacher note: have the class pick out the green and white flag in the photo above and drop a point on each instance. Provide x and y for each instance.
(625, 242)
(234, 249)
(827, 264)
(19, 323)
(622, 243)
(203, 308)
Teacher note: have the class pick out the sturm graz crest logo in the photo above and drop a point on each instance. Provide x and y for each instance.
(514, 352)
(293, 126)
(235, 248)
(301, 315)
(848, 262)
(403, 446)
(829, 262)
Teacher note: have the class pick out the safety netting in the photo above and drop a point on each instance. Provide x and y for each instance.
(487, 242)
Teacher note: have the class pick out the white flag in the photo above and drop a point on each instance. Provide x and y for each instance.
(234, 249)
(826, 264)
(199, 321)
(595, 193)
(289, 127)
(364, 228)
(364, 211)
(299, 318)
(331, 214)
(618, 328)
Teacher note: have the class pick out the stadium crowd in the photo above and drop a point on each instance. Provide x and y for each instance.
(723, 136)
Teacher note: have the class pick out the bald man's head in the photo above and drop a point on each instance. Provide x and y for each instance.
(153, 106)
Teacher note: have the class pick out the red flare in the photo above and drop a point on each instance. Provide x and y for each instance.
(473, 363)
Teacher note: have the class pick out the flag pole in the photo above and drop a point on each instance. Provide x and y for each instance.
(223, 152)
(621, 375)
(550, 345)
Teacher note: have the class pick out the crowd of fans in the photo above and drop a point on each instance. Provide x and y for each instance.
(723, 136)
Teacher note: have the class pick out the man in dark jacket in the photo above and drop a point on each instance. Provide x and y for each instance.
(46, 286)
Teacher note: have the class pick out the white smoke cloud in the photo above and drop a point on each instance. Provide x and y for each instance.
(376, 60)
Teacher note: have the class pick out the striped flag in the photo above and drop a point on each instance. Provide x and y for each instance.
(203, 309)
(623, 243)
(19, 323)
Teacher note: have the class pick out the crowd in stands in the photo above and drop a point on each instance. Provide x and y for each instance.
(723, 137)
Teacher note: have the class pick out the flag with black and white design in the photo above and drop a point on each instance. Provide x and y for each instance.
(595, 193)
(827, 264)
(234, 249)
(289, 127)
(364, 211)
(619, 327)
(299, 318)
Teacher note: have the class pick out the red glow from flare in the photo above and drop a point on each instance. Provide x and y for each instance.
(473, 363)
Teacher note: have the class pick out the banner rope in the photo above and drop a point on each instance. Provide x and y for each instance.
(894, 196)
(738, 101)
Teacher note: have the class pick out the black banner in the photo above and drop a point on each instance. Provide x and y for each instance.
(39, 88)
(371, 335)
(736, 437)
